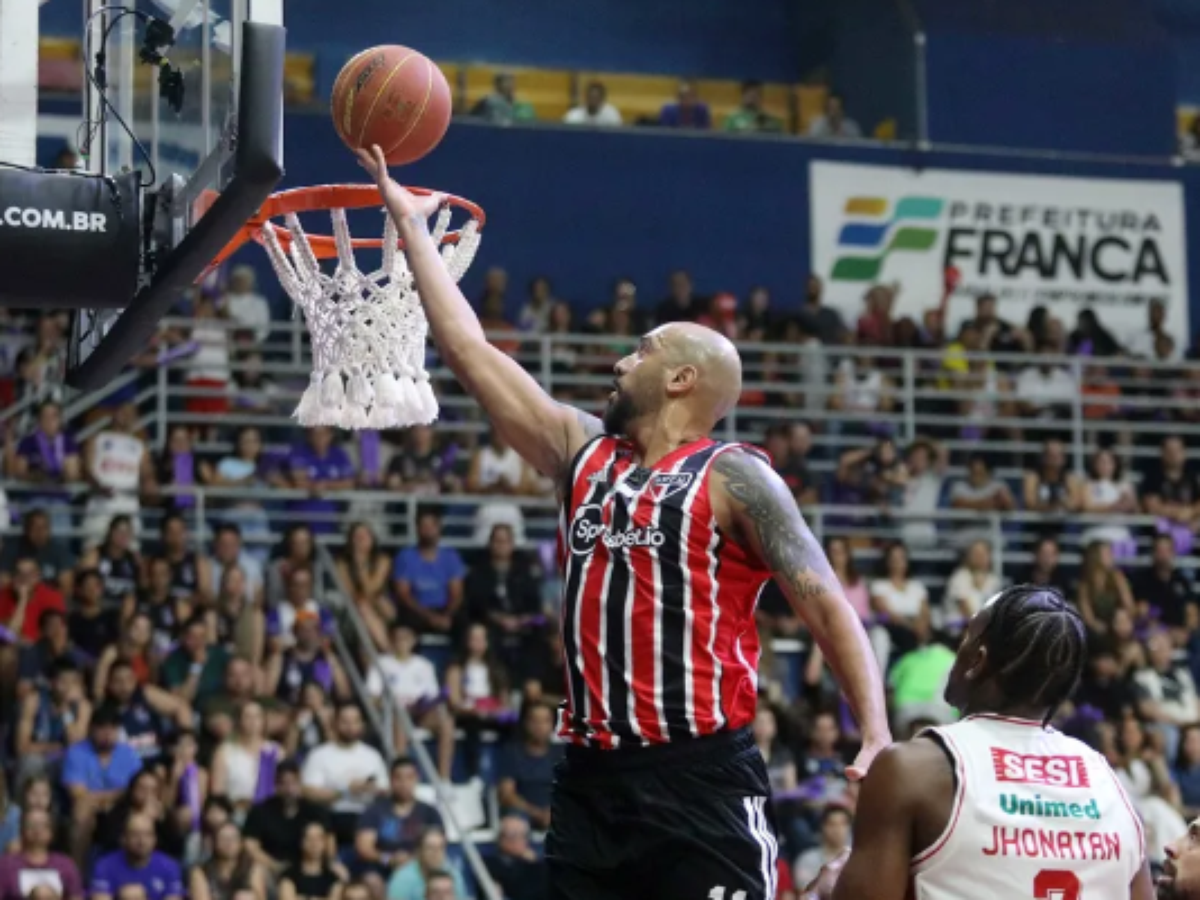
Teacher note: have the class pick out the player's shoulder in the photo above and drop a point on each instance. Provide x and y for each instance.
(904, 774)
(738, 461)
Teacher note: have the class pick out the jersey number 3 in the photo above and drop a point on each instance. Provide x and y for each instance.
(1056, 884)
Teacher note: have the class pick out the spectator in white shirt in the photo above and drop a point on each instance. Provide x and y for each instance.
(345, 774)
(1107, 493)
(595, 109)
(834, 124)
(1046, 389)
(412, 682)
(1143, 343)
(926, 462)
(970, 586)
(246, 306)
(1167, 692)
(900, 602)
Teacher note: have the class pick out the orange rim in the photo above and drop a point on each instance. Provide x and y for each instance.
(313, 199)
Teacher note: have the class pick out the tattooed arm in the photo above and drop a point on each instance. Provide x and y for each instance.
(754, 505)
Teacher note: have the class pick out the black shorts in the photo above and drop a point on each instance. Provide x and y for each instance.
(683, 821)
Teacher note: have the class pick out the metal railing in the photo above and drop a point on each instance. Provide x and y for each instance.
(813, 383)
(392, 712)
(1010, 535)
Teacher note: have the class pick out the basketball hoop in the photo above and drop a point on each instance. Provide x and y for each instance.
(368, 330)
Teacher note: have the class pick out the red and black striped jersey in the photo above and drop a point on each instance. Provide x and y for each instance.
(659, 635)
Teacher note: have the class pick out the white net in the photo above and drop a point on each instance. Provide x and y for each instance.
(368, 330)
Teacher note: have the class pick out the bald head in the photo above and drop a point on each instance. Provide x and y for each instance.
(681, 371)
(717, 363)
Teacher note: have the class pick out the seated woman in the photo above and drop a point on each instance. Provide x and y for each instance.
(478, 687)
(318, 876)
(970, 586)
(1050, 488)
(1103, 589)
(1107, 493)
(243, 768)
(230, 870)
(247, 467)
(178, 470)
(362, 572)
(901, 603)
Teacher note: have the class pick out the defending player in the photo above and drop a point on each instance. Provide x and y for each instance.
(998, 805)
(1180, 879)
(668, 538)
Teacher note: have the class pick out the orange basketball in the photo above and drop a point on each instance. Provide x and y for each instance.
(394, 97)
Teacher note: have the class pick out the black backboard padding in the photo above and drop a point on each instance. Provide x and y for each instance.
(258, 168)
(61, 265)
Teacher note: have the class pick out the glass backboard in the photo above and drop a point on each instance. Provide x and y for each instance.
(205, 127)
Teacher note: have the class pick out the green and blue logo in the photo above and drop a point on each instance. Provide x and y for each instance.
(876, 233)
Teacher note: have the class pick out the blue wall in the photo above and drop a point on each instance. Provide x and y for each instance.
(1073, 75)
(872, 61)
(584, 207)
(715, 38)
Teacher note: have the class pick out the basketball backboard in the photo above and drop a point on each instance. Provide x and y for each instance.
(205, 117)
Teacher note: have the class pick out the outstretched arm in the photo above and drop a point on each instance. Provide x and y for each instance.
(764, 516)
(544, 432)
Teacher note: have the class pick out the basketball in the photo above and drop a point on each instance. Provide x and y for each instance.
(394, 97)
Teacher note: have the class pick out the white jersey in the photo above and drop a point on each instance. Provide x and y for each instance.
(1036, 814)
(117, 461)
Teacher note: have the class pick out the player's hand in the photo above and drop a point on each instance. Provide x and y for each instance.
(871, 748)
(821, 887)
(397, 199)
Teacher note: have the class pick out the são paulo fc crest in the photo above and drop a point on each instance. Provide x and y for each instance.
(669, 483)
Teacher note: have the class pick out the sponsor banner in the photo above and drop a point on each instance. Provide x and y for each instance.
(1062, 243)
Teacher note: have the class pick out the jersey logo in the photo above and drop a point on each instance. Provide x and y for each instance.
(1051, 771)
(669, 483)
(598, 477)
(589, 526)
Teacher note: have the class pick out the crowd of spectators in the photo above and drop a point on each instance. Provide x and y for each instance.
(182, 722)
(688, 110)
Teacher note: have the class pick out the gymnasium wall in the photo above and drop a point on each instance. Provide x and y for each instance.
(712, 38)
(1094, 76)
(733, 211)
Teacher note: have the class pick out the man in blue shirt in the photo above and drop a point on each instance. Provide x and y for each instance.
(95, 774)
(428, 578)
(388, 830)
(688, 112)
(137, 863)
(319, 466)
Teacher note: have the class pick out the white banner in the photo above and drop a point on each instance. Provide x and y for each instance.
(1062, 243)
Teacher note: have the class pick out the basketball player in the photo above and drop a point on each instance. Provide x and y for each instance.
(668, 536)
(1180, 879)
(998, 805)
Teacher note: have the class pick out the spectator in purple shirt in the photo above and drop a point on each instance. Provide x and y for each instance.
(138, 863)
(36, 865)
(319, 467)
(688, 112)
(47, 456)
